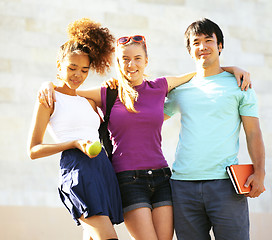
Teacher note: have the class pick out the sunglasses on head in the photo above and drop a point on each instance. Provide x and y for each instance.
(136, 38)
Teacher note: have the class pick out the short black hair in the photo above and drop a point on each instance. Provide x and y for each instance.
(203, 26)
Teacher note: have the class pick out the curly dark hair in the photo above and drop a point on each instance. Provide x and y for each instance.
(89, 37)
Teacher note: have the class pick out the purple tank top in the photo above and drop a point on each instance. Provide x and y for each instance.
(137, 136)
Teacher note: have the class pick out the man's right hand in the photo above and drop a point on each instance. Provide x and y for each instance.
(46, 94)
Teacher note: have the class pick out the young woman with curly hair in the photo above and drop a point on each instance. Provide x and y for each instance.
(88, 185)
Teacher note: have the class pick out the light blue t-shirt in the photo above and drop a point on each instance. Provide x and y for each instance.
(210, 111)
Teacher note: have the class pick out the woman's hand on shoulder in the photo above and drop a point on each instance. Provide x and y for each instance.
(46, 94)
(243, 78)
(112, 83)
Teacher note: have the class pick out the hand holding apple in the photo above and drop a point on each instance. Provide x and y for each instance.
(94, 148)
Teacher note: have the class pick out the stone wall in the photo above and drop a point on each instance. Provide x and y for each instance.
(31, 32)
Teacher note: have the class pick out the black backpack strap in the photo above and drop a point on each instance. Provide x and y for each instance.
(104, 134)
(110, 100)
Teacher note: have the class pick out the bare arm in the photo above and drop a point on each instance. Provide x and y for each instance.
(176, 81)
(46, 95)
(93, 94)
(256, 151)
(36, 147)
(238, 73)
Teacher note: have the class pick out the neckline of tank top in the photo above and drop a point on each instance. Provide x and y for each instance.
(67, 94)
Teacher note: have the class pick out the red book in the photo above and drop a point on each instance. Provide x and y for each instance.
(238, 175)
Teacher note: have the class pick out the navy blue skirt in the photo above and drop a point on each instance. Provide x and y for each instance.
(88, 186)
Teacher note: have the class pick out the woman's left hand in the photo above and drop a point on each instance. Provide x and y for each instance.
(112, 83)
(243, 78)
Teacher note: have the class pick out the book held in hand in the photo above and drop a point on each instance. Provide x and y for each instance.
(238, 175)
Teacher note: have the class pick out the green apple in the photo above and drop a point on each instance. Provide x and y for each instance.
(94, 148)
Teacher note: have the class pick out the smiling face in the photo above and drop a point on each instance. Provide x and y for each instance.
(205, 50)
(133, 61)
(74, 69)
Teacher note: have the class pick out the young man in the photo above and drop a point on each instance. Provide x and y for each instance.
(212, 108)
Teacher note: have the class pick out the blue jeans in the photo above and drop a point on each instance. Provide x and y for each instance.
(145, 188)
(202, 205)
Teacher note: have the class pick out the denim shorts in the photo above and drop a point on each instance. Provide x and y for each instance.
(145, 188)
(200, 206)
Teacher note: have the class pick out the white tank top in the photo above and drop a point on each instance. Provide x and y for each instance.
(73, 118)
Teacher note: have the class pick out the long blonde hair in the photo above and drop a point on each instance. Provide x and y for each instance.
(126, 93)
